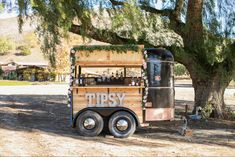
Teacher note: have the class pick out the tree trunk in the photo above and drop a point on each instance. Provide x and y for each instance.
(210, 91)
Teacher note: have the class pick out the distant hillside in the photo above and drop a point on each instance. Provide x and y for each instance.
(9, 29)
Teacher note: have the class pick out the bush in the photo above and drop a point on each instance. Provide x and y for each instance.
(5, 46)
(52, 76)
(24, 50)
(207, 111)
(27, 75)
(228, 113)
(1, 71)
(180, 70)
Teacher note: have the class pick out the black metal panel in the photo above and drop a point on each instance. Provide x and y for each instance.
(161, 79)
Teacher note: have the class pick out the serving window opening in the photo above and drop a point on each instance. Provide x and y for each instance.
(123, 76)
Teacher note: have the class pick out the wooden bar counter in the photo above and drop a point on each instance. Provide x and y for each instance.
(132, 97)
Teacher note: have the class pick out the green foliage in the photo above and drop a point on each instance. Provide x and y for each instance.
(129, 16)
(228, 113)
(1, 7)
(180, 70)
(31, 39)
(24, 50)
(32, 74)
(40, 75)
(5, 46)
(27, 75)
(114, 48)
(207, 111)
(52, 76)
(1, 72)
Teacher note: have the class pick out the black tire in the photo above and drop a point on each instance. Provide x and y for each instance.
(99, 123)
(122, 115)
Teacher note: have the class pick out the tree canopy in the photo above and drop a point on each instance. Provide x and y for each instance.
(200, 33)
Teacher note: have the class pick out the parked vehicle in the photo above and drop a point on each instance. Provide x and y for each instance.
(120, 88)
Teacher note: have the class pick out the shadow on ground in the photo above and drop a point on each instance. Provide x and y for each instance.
(50, 114)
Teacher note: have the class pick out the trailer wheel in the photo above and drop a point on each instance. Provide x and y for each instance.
(90, 123)
(122, 124)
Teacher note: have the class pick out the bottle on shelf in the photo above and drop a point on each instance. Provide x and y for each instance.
(108, 77)
(81, 80)
(103, 77)
(112, 77)
(137, 82)
(121, 76)
(76, 82)
(132, 81)
(99, 79)
(116, 75)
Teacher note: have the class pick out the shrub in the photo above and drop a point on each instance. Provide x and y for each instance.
(180, 70)
(1, 71)
(27, 75)
(207, 111)
(24, 50)
(228, 113)
(31, 39)
(52, 76)
(5, 46)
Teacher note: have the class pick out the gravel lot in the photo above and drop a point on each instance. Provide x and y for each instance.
(34, 120)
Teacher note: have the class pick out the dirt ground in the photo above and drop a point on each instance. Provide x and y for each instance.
(33, 125)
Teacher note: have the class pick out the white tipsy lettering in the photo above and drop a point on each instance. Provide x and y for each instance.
(103, 99)
(112, 101)
(98, 99)
(90, 96)
(121, 98)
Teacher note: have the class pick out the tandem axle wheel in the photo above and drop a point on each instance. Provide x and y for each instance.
(121, 124)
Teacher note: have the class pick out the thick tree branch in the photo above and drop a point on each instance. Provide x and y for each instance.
(178, 8)
(102, 35)
(194, 22)
(164, 12)
(116, 2)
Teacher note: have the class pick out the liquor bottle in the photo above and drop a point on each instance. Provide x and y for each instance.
(76, 82)
(132, 81)
(99, 79)
(112, 77)
(108, 77)
(80, 80)
(137, 82)
(103, 77)
(121, 76)
(116, 75)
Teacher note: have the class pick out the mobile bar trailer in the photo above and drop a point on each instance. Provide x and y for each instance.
(119, 87)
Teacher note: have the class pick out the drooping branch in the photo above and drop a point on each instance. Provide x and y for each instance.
(102, 35)
(114, 2)
(164, 12)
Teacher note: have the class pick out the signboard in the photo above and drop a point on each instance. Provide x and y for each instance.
(105, 99)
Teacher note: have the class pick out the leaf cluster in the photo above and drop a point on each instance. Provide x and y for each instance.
(5, 45)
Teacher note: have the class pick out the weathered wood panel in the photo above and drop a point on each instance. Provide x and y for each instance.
(132, 99)
(109, 58)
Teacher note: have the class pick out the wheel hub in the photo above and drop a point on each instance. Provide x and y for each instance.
(122, 125)
(89, 123)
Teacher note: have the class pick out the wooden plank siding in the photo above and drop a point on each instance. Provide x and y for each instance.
(108, 58)
(132, 100)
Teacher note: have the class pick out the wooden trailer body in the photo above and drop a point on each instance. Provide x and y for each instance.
(107, 99)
